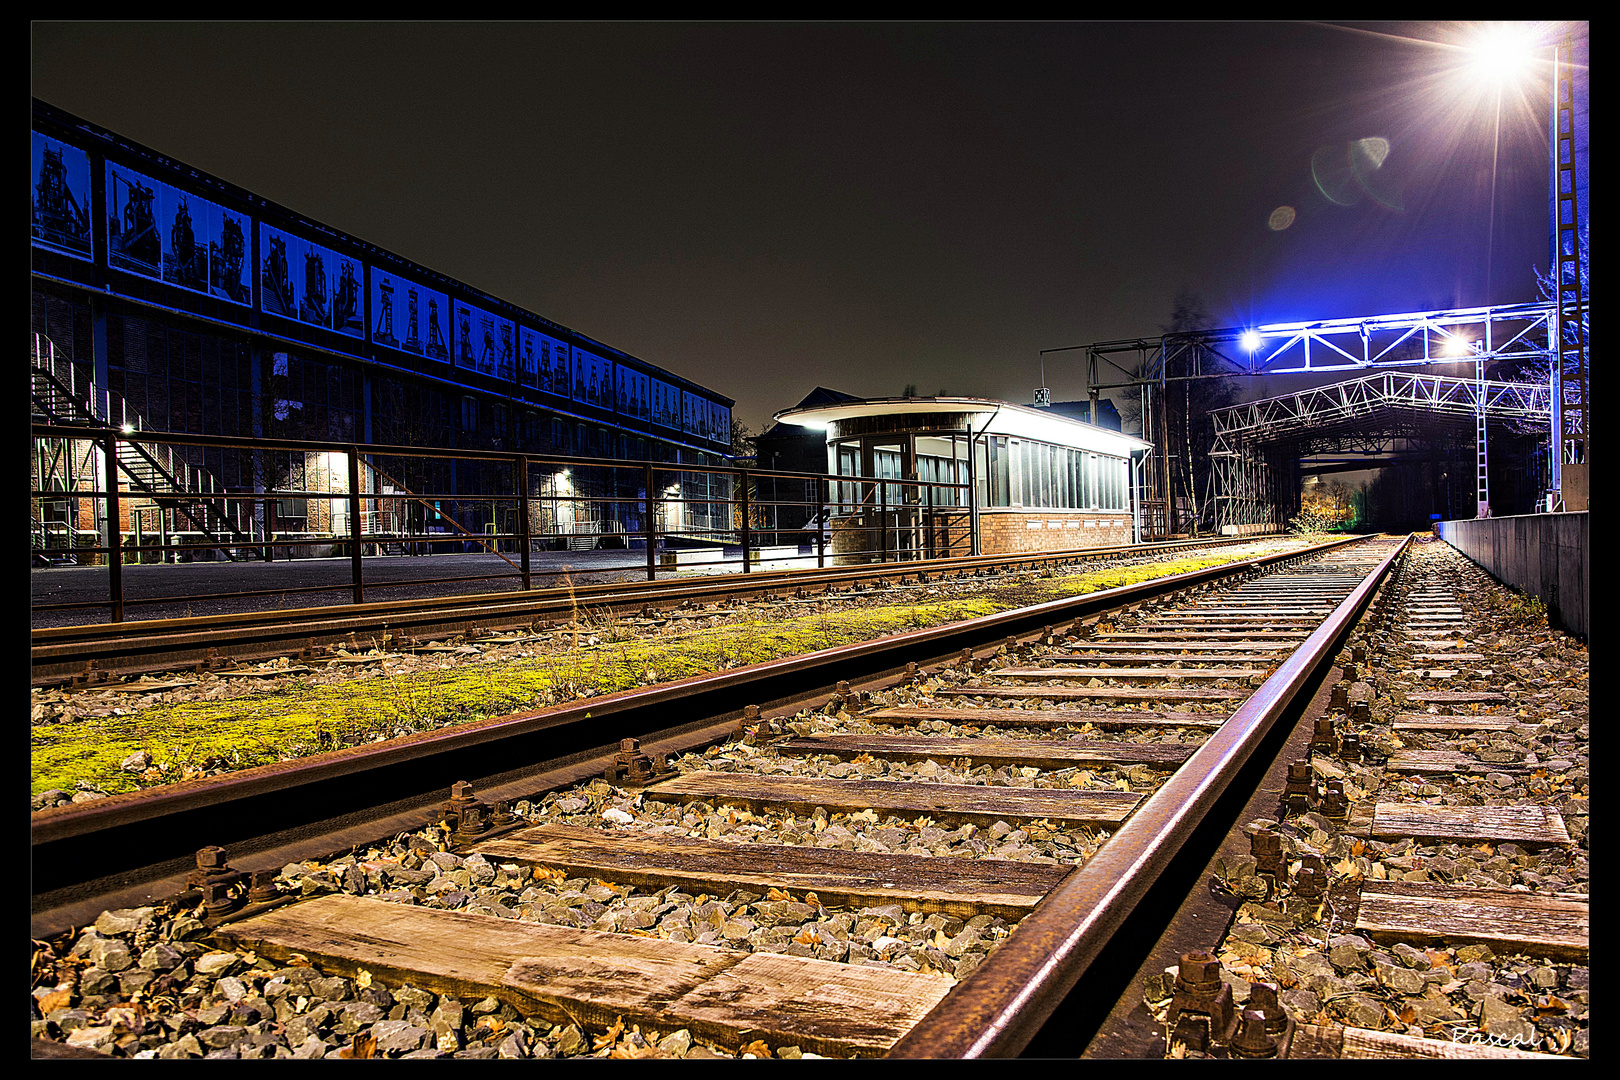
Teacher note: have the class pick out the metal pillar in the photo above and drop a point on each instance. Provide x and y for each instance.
(355, 509)
(1575, 444)
(115, 554)
(522, 470)
(1482, 485)
(651, 523)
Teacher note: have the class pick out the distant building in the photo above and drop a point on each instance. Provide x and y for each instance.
(1107, 415)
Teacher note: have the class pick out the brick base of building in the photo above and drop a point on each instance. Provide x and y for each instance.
(1006, 533)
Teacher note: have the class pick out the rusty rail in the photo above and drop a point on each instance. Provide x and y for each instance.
(998, 1009)
(127, 849)
(60, 653)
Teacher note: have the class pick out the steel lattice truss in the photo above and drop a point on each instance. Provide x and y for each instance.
(1251, 437)
(1324, 408)
(1508, 333)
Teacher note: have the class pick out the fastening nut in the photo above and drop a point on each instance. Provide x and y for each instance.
(1252, 1040)
(218, 900)
(1334, 803)
(1200, 972)
(210, 858)
(1311, 880)
(1264, 1000)
(1266, 847)
(262, 886)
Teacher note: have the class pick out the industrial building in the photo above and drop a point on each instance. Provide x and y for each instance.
(167, 300)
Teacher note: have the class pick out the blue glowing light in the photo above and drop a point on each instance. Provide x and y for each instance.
(1250, 340)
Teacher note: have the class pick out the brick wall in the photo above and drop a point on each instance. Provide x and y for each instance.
(1007, 532)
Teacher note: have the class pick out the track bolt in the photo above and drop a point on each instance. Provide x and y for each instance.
(1350, 746)
(471, 823)
(461, 807)
(1251, 1040)
(633, 768)
(1334, 803)
(1311, 880)
(1322, 738)
(218, 900)
(1359, 654)
(1361, 711)
(1351, 674)
(1266, 847)
(1263, 999)
(1299, 791)
(262, 886)
(210, 858)
(502, 814)
(1341, 696)
(1201, 1010)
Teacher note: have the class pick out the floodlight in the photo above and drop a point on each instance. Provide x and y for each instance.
(1250, 340)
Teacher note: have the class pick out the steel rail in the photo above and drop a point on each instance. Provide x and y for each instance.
(121, 844)
(999, 1008)
(57, 653)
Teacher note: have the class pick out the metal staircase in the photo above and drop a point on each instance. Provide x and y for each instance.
(59, 397)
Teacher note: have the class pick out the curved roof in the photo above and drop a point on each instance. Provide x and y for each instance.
(1007, 417)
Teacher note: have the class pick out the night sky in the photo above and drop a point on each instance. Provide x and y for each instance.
(766, 208)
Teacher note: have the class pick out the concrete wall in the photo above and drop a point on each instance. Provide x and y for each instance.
(1544, 555)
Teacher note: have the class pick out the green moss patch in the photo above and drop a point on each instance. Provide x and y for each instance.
(298, 718)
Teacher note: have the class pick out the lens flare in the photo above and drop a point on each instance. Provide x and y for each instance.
(1367, 157)
(1344, 175)
(1503, 53)
(1281, 218)
(1330, 168)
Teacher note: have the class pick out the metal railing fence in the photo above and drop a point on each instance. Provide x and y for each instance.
(317, 499)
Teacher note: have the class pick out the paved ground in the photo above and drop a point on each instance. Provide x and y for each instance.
(204, 581)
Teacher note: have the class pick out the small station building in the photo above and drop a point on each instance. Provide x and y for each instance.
(943, 476)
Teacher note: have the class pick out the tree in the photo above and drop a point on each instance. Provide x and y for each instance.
(744, 439)
(1189, 433)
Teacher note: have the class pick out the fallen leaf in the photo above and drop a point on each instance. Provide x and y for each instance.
(759, 1048)
(363, 980)
(774, 893)
(364, 1046)
(610, 1036)
(59, 999)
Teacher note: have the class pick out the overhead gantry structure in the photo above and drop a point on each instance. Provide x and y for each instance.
(1253, 440)
(1241, 479)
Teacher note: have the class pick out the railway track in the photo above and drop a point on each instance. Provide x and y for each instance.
(94, 654)
(1067, 767)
